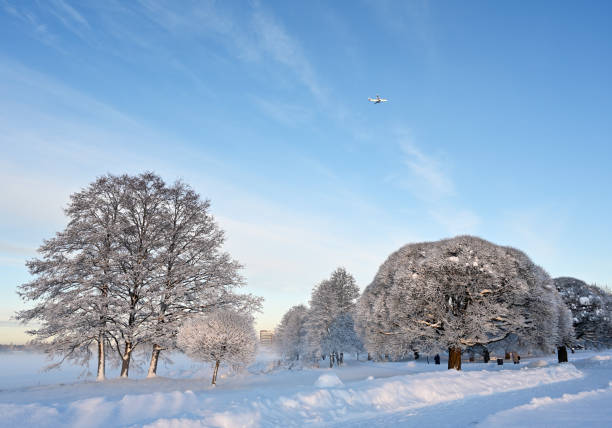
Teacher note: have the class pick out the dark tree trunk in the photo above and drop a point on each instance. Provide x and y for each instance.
(214, 379)
(154, 360)
(507, 356)
(486, 356)
(454, 358)
(562, 354)
(125, 359)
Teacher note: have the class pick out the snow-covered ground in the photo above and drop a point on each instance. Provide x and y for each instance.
(537, 392)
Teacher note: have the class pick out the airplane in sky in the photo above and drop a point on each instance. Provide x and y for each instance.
(377, 100)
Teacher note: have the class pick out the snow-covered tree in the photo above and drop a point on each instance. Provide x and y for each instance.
(459, 293)
(591, 308)
(223, 336)
(72, 288)
(136, 258)
(291, 333)
(342, 336)
(140, 241)
(194, 275)
(332, 298)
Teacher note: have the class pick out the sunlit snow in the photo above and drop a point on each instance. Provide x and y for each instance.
(537, 392)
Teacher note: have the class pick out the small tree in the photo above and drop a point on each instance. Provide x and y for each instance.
(222, 336)
(291, 333)
(342, 336)
(332, 298)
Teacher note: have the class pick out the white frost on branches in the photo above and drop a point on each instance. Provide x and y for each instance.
(223, 336)
(291, 333)
(329, 322)
(136, 258)
(460, 293)
(591, 308)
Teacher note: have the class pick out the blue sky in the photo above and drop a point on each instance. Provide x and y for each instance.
(499, 124)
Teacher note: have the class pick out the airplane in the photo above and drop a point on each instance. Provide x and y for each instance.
(377, 100)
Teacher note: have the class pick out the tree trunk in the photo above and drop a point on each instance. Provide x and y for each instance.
(562, 354)
(125, 359)
(331, 360)
(507, 356)
(486, 356)
(154, 359)
(101, 358)
(214, 379)
(454, 358)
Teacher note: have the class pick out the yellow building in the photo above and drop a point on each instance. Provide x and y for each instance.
(266, 337)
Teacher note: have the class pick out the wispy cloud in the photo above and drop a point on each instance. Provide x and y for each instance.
(427, 170)
(456, 221)
(68, 15)
(411, 19)
(285, 113)
(36, 28)
(429, 180)
(278, 44)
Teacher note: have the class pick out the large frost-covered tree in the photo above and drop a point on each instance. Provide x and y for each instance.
(331, 299)
(291, 333)
(75, 276)
(140, 242)
(136, 258)
(459, 293)
(591, 308)
(222, 336)
(194, 275)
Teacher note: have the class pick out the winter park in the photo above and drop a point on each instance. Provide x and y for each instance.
(305, 214)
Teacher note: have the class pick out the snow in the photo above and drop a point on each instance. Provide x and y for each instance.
(586, 408)
(328, 381)
(538, 363)
(360, 393)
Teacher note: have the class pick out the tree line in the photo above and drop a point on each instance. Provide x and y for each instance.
(326, 329)
(137, 259)
(454, 295)
(140, 264)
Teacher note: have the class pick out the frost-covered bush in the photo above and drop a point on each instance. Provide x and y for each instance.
(591, 309)
(221, 337)
(459, 293)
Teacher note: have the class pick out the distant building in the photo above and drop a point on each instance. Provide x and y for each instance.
(266, 337)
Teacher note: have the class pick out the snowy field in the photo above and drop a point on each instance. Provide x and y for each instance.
(537, 392)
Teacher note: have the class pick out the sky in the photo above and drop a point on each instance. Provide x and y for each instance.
(498, 124)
